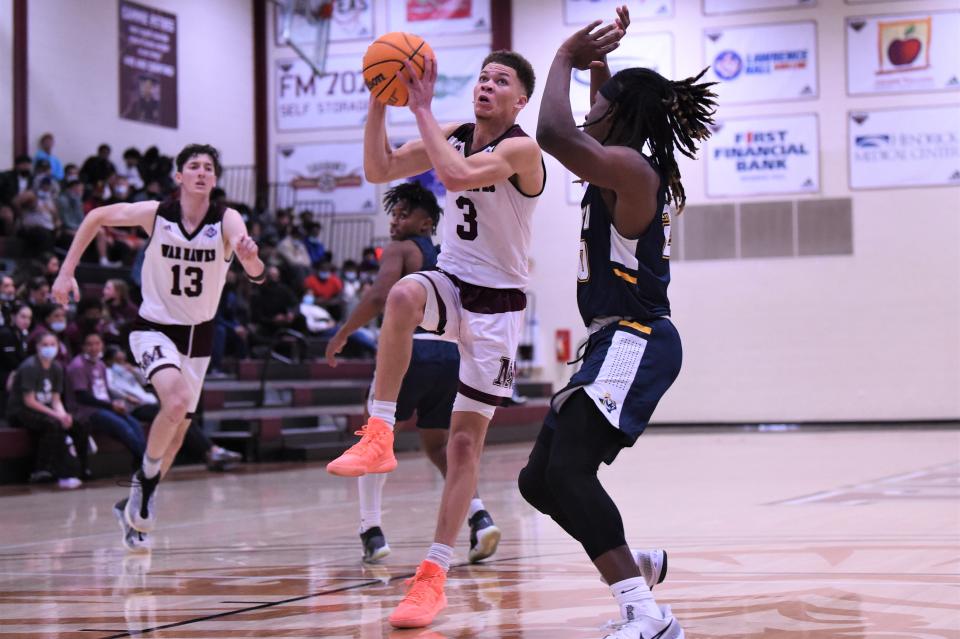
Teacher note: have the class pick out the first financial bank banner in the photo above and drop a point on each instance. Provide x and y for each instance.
(759, 156)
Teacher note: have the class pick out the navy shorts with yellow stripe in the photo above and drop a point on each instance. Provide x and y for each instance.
(627, 368)
(431, 383)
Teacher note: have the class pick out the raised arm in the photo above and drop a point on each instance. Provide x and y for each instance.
(243, 246)
(617, 168)
(600, 73)
(397, 258)
(139, 214)
(381, 162)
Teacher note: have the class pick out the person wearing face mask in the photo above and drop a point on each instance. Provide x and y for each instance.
(52, 318)
(14, 346)
(326, 288)
(35, 403)
(91, 395)
(351, 286)
(16, 180)
(315, 247)
(89, 319)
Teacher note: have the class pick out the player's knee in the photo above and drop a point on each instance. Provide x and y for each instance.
(405, 303)
(533, 488)
(176, 404)
(462, 449)
(561, 479)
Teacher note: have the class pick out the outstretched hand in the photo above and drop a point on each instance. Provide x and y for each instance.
(419, 88)
(246, 249)
(334, 346)
(63, 288)
(587, 48)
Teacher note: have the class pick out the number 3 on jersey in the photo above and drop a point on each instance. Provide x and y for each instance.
(468, 232)
(194, 287)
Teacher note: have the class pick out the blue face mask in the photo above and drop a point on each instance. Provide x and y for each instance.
(323, 274)
(308, 299)
(58, 327)
(48, 352)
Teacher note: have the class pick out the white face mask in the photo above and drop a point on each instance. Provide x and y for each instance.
(57, 327)
(48, 352)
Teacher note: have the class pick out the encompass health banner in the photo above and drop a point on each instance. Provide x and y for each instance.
(148, 65)
(756, 156)
(904, 147)
(764, 62)
(332, 172)
(903, 53)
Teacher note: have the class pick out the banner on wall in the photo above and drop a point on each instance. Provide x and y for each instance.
(904, 147)
(711, 7)
(440, 16)
(650, 50)
(903, 53)
(759, 156)
(305, 101)
(148, 65)
(457, 72)
(351, 20)
(586, 11)
(764, 62)
(331, 172)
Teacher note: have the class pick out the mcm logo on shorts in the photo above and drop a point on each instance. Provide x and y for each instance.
(505, 376)
(147, 358)
(608, 402)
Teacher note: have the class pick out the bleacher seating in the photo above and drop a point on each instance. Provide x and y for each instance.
(301, 411)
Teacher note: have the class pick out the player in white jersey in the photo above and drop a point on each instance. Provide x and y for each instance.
(494, 174)
(192, 243)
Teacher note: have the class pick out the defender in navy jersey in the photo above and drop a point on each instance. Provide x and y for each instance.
(192, 243)
(633, 352)
(430, 384)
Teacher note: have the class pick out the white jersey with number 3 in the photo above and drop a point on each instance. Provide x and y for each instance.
(183, 273)
(486, 231)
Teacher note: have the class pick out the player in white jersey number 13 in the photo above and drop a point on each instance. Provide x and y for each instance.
(493, 174)
(191, 246)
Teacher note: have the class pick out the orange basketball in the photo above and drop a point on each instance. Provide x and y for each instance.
(385, 57)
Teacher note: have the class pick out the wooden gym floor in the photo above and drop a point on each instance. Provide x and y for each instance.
(844, 534)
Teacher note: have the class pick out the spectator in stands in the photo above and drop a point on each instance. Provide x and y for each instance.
(14, 347)
(37, 292)
(71, 172)
(87, 375)
(294, 254)
(17, 180)
(51, 266)
(8, 298)
(326, 288)
(315, 247)
(119, 188)
(130, 169)
(126, 383)
(45, 152)
(97, 168)
(369, 258)
(152, 191)
(44, 184)
(36, 403)
(51, 318)
(89, 319)
(70, 210)
(350, 295)
(283, 223)
(38, 222)
(122, 312)
(230, 331)
(274, 304)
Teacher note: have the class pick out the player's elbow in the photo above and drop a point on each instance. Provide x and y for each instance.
(374, 175)
(454, 180)
(548, 137)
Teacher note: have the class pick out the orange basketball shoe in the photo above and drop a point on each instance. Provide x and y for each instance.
(372, 454)
(424, 598)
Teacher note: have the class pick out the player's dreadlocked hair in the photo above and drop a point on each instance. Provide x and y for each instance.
(416, 197)
(666, 115)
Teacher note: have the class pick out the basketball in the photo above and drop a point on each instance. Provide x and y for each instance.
(385, 57)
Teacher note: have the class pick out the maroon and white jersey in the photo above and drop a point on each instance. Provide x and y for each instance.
(485, 238)
(183, 273)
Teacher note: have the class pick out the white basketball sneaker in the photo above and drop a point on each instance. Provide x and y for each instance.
(644, 627)
(652, 565)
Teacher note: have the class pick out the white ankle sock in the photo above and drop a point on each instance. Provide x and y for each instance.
(634, 598)
(371, 492)
(441, 555)
(475, 504)
(151, 466)
(386, 411)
